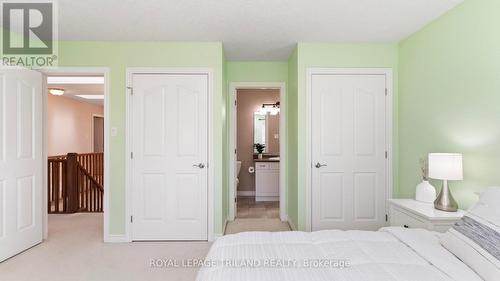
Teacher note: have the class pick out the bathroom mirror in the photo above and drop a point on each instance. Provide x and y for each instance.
(259, 130)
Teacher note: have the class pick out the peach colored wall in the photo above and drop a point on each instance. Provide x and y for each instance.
(70, 125)
(250, 101)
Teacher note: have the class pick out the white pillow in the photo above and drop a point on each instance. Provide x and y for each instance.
(488, 206)
(476, 238)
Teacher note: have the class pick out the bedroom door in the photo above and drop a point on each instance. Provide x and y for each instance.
(170, 152)
(21, 161)
(348, 176)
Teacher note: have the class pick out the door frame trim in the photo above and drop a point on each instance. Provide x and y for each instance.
(76, 70)
(210, 149)
(388, 125)
(232, 131)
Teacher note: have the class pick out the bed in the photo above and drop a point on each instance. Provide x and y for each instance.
(392, 253)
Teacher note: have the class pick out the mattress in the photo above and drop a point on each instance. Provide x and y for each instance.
(389, 254)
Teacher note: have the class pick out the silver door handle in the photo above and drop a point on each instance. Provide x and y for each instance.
(319, 165)
(200, 165)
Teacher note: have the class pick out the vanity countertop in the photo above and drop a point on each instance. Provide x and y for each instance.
(266, 160)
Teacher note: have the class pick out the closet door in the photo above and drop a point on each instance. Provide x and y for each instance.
(348, 151)
(170, 142)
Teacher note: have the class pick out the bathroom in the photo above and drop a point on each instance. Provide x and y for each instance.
(258, 153)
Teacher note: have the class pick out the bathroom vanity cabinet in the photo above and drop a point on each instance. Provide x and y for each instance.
(267, 181)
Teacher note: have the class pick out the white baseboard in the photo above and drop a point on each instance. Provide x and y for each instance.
(246, 193)
(290, 223)
(116, 238)
(225, 226)
(219, 235)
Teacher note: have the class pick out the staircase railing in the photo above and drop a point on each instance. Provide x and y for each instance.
(58, 200)
(75, 183)
(90, 191)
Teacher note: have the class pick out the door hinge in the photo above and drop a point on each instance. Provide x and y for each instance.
(385, 91)
(131, 90)
(235, 151)
(235, 103)
(386, 217)
(131, 155)
(131, 219)
(386, 155)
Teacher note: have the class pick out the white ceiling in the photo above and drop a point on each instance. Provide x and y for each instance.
(71, 90)
(249, 29)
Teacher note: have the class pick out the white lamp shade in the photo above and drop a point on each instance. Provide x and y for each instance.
(445, 166)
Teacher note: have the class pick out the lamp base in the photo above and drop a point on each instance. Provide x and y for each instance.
(445, 201)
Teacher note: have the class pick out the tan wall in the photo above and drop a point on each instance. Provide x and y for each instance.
(273, 128)
(250, 101)
(70, 125)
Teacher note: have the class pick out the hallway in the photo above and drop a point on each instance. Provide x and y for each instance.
(256, 216)
(248, 208)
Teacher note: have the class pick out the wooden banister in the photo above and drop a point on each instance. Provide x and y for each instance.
(90, 191)
(71, 182)
(89, 176)
(56, 186)
(75, 183)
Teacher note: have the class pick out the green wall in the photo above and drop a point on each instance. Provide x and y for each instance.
(336, 55)
(446, 98)
(257, 71)
(119, 55)
(450, 97)
(225, 152)
(292, 184)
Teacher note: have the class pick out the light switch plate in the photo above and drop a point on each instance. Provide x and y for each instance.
(114, 131)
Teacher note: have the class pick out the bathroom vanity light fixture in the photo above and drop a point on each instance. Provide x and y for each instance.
(271, 108)
(56, 91)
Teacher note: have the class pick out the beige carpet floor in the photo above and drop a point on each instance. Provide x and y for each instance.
(75, 252)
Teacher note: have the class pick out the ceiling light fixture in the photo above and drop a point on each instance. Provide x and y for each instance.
(56, 91)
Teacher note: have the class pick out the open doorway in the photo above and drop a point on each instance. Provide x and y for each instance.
(257, 152)
(98, 133)
(74, 128)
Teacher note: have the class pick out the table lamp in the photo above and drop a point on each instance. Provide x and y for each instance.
(445, 166)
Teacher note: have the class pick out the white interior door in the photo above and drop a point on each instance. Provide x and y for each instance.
(21, 161)
(170, 142)
(348, 151)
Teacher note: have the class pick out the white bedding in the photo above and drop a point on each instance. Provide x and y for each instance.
(386, 255)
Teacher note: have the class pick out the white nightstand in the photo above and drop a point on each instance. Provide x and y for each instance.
(410, 213)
